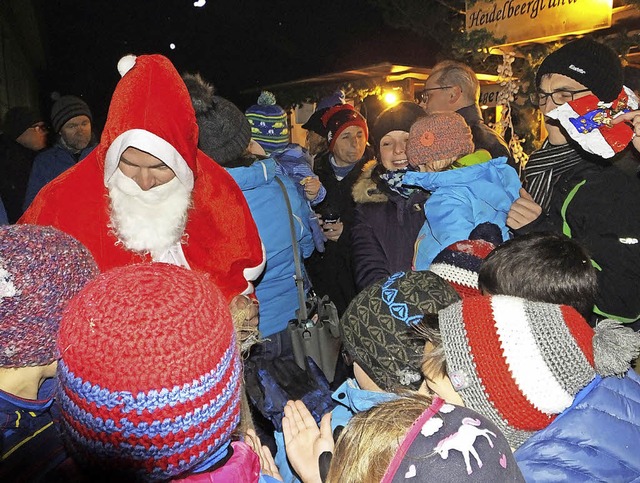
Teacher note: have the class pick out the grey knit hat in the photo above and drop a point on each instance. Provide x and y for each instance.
(224, 130)
(376, 327)
(521, 363)
(68, 107)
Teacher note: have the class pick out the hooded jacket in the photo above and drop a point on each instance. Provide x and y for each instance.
(460, 200)
(151, 110)
(276, 291)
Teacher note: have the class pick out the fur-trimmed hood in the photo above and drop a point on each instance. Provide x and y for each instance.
(365, 189)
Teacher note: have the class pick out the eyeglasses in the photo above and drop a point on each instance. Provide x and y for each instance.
(40, 127)
(559, 97)
(424, 95)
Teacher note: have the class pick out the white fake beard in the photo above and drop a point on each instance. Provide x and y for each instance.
(147, 221)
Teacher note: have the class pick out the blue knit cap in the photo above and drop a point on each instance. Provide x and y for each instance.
(268, 121)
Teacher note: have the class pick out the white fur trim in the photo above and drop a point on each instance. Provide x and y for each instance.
(524, 360)
(152, 144)
(126, 63)
(252, 273)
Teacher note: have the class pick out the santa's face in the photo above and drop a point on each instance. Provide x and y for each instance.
(149, 204)
(145, 169)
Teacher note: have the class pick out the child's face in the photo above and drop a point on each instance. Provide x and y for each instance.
(439, 384)
(393, 154)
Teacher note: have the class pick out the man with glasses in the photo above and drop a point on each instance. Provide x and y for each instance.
(579, 194)
(71, 120)
(454, 87)
(24, 134)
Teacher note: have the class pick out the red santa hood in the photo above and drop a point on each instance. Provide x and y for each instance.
(152, 111)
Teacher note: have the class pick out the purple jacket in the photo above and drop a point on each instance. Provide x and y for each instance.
(384, 230)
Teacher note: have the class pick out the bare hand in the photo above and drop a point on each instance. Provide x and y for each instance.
(267, 464)
(305, 441)
(633, 118)
(523, 211)
(311, 187)
(242, 303)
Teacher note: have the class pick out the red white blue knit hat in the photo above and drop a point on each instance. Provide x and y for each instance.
(521, 363)
(150, 374)
(460, 262)
(41, 269)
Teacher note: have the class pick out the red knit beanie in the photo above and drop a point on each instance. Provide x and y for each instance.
(150, 375)
(439, 136)
(340, 117)
(41, 269)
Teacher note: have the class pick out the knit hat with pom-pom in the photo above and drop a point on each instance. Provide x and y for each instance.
(150, 374)
(41, 269)
(268, 121)
(224, 131)
(521, 363)
(439, 136)
(460, 262)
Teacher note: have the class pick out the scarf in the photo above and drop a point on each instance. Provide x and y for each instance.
(545, 168)
(393, 179)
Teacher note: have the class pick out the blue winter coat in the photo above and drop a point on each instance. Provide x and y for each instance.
(48, 165)
(276, 289)
(460, 200)
(596, 439)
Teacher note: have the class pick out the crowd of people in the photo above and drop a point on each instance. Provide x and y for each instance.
(149, 283)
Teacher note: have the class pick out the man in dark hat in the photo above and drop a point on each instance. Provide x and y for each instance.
(71, 120)
(579, 194)
(24, 134)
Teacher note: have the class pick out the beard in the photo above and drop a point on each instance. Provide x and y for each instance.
(147, 221)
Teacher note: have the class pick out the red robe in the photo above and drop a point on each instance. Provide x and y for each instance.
(220, 236)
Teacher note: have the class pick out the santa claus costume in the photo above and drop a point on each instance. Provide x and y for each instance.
(199, 220)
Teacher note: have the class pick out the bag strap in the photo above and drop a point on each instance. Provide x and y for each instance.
(302, 312)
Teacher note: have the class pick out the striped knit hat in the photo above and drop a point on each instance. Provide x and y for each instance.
(150, 374)
(268, 121)
(66, 108)
(41, 269)
(521, 363)
(340, 117)
(376, 327)
(460, 262)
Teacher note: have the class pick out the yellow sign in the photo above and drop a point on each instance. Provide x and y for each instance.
(535, 20)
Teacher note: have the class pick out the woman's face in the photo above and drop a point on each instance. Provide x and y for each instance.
(392, 150)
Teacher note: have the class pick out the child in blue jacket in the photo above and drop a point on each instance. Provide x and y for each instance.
(467, 186)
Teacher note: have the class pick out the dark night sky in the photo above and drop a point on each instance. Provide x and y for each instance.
(235, 44)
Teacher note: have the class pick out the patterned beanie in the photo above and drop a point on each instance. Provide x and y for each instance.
(41, 269)
(460, 262)
(340, 117)
(269, 124)
(150, 374)
(68, 107)
(395, 118)
(592, 64)
(435, 447)
(18, 119)
(376, 327)
(439, 136)
(521, 363)
(224, 132)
